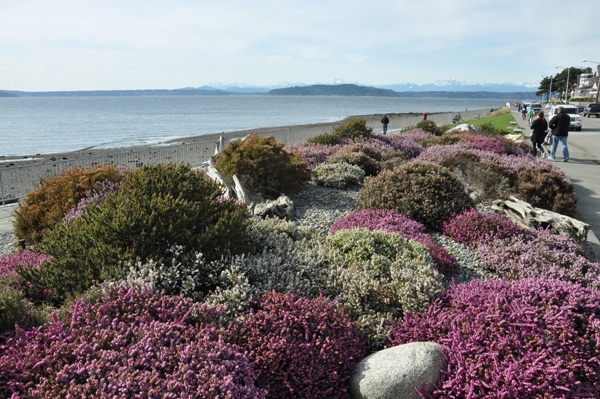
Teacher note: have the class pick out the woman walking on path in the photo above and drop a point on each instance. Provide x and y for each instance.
(539, 127)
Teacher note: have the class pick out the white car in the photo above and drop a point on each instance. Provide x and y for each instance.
(573, 112)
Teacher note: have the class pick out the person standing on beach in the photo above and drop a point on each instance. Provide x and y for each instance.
(385, 120)
(539, 126)
(560, 131)
(425, 115)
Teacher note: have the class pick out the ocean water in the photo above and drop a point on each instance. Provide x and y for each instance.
(44, 125)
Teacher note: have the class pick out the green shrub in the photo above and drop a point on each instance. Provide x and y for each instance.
(429, 126)
(547, 189)
(337, 175)
(353, 129)
(380, 275)
(445, 139)
(325, 139)
(425, 192)
(14, 309)
(45, 207)
(367, 158)
(159, 210)
(263, 166)
(393, 159)
(482, 181)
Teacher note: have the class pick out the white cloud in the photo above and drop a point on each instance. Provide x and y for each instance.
(128, 44)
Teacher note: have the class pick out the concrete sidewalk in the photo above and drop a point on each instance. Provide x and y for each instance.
(583, 169)
(6, 217)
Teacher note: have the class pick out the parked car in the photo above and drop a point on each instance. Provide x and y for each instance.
(536, 108)
(573, 112)
(592, 109)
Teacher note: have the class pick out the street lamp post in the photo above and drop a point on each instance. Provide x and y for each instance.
(567, 87)
(550, 91)
(597, 77)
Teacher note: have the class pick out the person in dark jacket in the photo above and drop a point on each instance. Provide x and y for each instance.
(560, 130)
(539, 126)
(385, 120)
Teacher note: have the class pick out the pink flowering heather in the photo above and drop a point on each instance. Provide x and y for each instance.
(395, 222)
(485, 143)
(129, 344)
(303, 348)
(473, 227)
(513, 161)
(417, 135)
(542, 254)
(315, 154)
(23, 258)
(532, 338)
(101, 190)
(403, 143)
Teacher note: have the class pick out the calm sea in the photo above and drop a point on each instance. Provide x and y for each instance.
(43, 125)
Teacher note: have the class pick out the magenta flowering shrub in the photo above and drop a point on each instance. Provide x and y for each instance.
(532, 338)
(541, 254)
(473, 227)
(303, 348)
(316, 154)
(24, 258)
(417, 135)
(394, 222)
(100, 191)
(485, 143)
(128, 344)
(405, 143)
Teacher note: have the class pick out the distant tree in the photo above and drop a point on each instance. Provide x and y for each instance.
(559, 81)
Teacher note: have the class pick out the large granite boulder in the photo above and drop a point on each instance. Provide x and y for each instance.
(394, 373)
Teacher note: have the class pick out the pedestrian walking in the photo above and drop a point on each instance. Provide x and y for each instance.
(539, 126)
(425, 115)
(560, 131)
(385, 121)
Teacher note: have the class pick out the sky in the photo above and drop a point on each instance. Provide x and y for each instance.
(50, 45)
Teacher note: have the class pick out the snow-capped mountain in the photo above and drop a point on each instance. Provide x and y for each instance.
(439, 85)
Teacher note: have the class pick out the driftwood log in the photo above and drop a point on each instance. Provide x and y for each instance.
(282, 207)
(525, 215)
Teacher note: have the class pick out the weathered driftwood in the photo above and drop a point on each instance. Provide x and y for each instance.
(525, 215)
(282, 207)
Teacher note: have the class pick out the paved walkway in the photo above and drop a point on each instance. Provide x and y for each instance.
(583, 169)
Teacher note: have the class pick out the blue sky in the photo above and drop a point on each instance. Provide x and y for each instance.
(48, 45)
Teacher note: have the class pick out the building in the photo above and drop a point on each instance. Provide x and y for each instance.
(587, 86)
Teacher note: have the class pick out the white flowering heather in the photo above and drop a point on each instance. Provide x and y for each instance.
(283, 265)
(192, 278)
(337, 175)
(381, 274)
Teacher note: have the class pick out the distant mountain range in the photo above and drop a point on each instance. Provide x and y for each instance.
(439, 85)
(446, 89)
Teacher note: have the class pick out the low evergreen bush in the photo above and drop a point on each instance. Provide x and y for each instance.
(423, 191)
(338, 175)
(157, 210)
(365, 157)
(132, 344)
(263, 166)
(546, 188)
(302, 348)
(380, 275)
(45, 207)
(541, 254)
(393, 222)
(533, 338)
(473, 228)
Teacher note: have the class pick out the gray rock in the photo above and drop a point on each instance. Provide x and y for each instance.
(393, 373)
